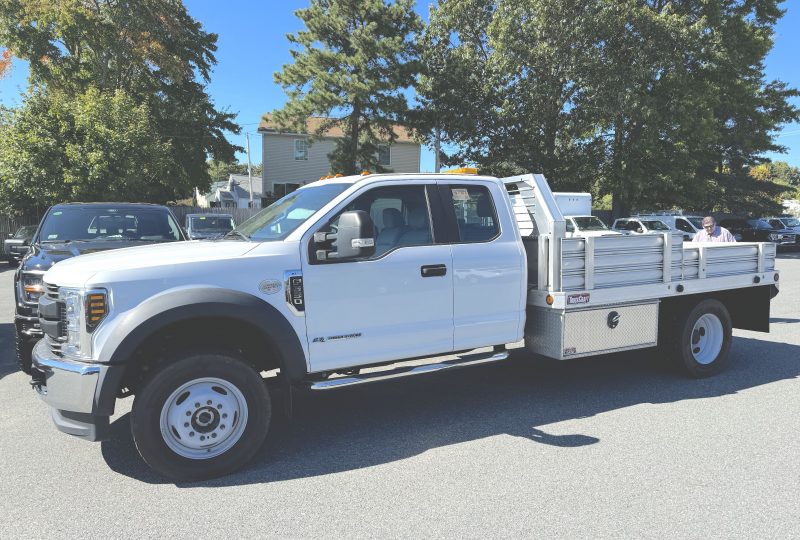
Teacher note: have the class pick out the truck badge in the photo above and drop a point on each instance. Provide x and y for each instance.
(269, 286)
(573, 299)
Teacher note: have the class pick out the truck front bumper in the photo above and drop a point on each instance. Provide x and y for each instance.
(78, 393)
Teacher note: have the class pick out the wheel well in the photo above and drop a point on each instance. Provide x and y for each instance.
(204, 333)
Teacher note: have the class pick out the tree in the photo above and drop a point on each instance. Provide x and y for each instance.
(656, 102)
(94, 146)
(151, 50)
(221, 170)
(355, 59)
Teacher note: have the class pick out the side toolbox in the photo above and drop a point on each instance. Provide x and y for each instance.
(562, 334)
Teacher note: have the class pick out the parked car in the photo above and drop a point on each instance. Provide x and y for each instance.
(688, 225)
(204, 226)
(16, 245)
(758, 230)
(577, 211)
(641, 226)
(69, 230)
(783, 222)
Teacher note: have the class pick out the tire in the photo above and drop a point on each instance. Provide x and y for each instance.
(24, 351)
(183, 405)
(701, 339)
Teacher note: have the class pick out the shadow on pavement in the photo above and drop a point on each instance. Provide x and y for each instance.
(8, 364)
(789, 255)
(386, 422)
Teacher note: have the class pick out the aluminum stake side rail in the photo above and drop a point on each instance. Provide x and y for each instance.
(360, 279)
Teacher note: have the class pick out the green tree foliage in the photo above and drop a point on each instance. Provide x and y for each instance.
(151, 51)
(91, 146)
(352, 64)
(221, 170)
(658, 103)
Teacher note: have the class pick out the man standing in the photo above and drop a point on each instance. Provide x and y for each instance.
(712, 232)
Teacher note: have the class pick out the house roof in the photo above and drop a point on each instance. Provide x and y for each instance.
(244, 182)
(268, 125)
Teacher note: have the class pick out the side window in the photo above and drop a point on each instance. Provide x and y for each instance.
(683, 225)
(300, 150)
(620, 224)
(384, 155)
(400, 214)
(776, 224)
(570, 225)
(475, 213)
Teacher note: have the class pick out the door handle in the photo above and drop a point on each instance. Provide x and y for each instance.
(431, 270)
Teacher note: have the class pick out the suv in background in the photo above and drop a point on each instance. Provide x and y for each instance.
(72, 229)
(783, 222)
(640, 226)
(203, 226)
(688, 225)
(758, 230)
(16, 245)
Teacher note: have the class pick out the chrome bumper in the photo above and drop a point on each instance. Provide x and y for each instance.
(66, 385)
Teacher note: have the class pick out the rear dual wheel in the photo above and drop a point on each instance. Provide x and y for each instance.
(701, 339)
(202, 416)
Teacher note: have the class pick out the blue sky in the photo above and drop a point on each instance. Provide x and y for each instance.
(252, 46)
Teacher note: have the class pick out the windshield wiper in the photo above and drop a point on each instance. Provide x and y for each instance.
(237, 233)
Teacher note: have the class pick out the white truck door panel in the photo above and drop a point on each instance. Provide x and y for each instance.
(382, 308)
(489, 269)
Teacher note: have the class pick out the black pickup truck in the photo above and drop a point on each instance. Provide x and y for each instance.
(758, 230)
(72, 229)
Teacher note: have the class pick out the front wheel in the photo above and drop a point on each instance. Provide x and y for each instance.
(702, 339)
(201, 417)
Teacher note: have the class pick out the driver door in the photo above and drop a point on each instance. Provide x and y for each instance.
(394, 304)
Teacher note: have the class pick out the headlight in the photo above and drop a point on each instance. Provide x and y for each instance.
(773, 236)
(31, 288)
(83, 312)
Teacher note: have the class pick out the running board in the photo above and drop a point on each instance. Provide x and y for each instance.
(407, 371)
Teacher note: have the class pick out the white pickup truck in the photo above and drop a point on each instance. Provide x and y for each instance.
(345, 281)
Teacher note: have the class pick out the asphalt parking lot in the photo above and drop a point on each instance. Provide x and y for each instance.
(614, 446)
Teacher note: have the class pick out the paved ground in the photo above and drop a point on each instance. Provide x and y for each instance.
(617, 446)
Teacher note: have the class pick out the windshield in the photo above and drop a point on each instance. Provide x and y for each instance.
(697, 222)
(212, 223)
(97, 222)
(791, 222)
(282, 217)
(25, 232)
(590, 223)
(759, 224)
(656, 225)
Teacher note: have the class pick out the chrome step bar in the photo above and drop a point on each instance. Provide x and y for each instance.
(407, 371)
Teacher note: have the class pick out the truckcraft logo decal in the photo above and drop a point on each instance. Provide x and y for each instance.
(269, 286)
(582, 298)
(336, 338)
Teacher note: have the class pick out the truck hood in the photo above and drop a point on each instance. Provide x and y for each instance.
(76, 271)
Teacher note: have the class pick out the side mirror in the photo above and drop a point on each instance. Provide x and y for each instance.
(10, 235)
(354, 238)
(639, 230)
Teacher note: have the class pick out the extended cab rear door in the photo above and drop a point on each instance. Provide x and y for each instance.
(489, 264)
(393, 305)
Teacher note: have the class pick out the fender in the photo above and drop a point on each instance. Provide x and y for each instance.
(184, 304)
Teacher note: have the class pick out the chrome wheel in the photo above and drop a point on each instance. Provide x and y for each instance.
(203, 418)
(707, 339)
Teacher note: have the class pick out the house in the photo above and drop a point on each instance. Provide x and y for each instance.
(232, 193)
(290, 160)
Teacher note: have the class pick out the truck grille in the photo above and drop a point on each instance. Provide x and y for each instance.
(53, 318)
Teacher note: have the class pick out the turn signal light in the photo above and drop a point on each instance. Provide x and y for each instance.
(549, 300)
(96, 309)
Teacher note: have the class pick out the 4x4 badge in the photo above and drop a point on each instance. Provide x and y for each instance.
(269, 286)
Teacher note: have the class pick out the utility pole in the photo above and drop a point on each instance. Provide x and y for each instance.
(249, 170)
(437, 148)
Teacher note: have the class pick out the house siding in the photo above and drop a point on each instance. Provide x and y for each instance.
(280, 167)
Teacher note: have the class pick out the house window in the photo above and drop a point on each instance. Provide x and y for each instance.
(300, 150)
(384, 155)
